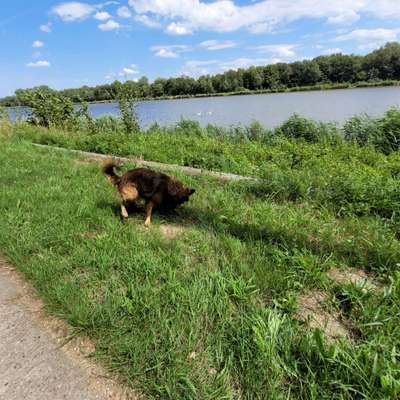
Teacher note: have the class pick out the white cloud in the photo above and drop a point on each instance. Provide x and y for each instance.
(382, 35)
(187, 16)
(37, 44)
(124, 12)
(73, 11)
(46, 27)
(169, 51)
(335, 50)
(77, 11)
(178, 29)
(146, 20)
(132, 69)
(278, 50)
(369, 39)
(129, 71)
(102, 15)
(345, 18)
(196, 68)
(39, 64)
(110, 25)
(166, 53)
(217, 44)
(244, 62)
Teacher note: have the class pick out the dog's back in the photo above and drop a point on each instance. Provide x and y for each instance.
(146, 181)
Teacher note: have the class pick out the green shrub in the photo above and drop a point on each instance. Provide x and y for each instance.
(47, 107)
(388, 138)
(127, 105)
(297, 127)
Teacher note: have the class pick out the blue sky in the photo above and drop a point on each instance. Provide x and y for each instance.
(70, 44)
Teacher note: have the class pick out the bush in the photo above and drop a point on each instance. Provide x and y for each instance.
(361, 129)
(48, 108)
(388, 137)
(297, 127)
(127, 106)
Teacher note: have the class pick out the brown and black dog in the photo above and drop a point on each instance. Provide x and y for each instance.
(155, 188)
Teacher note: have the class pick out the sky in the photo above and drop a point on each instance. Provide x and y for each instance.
(70, 44)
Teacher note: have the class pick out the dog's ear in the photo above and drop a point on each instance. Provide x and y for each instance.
(191, 191)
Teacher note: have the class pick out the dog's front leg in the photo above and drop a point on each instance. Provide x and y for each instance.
(148, 209)
(124, 212)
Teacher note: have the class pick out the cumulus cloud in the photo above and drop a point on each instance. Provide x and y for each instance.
(110, 25)
(217, 44)
(127, 71)
(381, 34)
(102, 15)
(178, 29)
(73, 11)
(148, 21)
(37, 44)
(77, 11)
(169, 51)
(369, 39)
(187, 16)
(124, 12)
(285, 51)
(39, 64)
(46, 27)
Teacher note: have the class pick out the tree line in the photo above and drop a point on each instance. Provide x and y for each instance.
(379, 65)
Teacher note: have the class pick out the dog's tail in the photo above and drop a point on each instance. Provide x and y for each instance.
(107, 168)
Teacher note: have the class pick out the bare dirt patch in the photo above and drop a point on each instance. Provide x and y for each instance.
(355, 276)
(313, 311)
(170, 231)
(89, 235)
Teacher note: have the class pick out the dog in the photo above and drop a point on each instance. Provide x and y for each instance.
(155, 188)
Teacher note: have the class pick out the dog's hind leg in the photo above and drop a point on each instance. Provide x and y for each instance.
(129, 193)
(148, 209)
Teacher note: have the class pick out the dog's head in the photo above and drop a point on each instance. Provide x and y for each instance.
(179, 193)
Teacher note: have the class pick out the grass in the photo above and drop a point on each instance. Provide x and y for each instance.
(211, 314)
(346, 170)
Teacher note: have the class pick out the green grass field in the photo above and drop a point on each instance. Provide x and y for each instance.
(209, 303)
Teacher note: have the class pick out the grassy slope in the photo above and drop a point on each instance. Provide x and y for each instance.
(208, 315)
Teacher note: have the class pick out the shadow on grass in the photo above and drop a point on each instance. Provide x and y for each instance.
(355, 255)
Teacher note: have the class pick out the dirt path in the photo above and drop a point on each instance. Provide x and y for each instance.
(35, 361)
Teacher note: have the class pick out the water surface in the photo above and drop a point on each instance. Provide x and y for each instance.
(269, 109)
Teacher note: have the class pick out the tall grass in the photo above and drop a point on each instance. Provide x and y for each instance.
(209, 314)
(352, 171)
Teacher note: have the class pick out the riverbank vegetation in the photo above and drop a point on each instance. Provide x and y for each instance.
(379, 68)
(288, 287)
